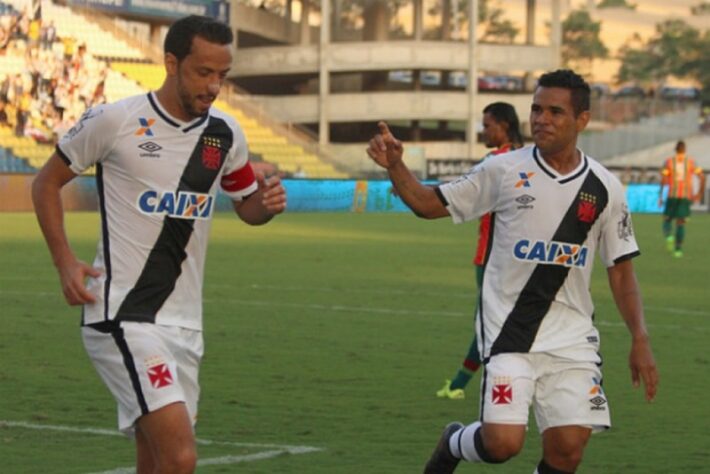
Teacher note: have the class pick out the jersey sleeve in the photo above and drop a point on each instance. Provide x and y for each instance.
(473, 194)
(91, 139)
(617, 240)
(238, 179)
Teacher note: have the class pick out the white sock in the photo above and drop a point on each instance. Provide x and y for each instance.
(461, 443)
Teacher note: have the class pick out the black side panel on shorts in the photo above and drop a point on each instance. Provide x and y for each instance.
(163, 266)
(536, 297)
(118, 336)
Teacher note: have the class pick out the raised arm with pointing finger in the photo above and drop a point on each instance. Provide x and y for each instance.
(387, 151)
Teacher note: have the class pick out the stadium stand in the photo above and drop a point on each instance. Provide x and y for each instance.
(49, 85)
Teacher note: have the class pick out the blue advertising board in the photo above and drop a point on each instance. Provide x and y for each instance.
(163, 9)
(305, 195)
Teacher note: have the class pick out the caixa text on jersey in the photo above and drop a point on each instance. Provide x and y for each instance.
(555, 253)
(181, 204)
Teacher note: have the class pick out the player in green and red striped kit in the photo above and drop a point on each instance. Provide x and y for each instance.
(677, 173)
(501, 130)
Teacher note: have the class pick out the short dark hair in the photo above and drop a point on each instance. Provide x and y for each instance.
(178, 41)
(680, 145)
(503, 112)
(568, 79)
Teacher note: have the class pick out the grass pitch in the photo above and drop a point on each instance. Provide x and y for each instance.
(333, 331)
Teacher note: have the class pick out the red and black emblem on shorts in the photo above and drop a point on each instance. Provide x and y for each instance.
(587, 208)
(211, 153)
(160, 376)
(502, 394)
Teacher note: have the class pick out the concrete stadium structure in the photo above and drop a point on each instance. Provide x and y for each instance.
(337, 78)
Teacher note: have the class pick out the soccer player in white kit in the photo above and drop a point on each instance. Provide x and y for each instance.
(160, 158)
(553, 208)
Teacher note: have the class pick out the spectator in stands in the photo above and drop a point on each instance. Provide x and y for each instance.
(5, 88)
(4, 122)
(299, 173)
(69, 47)
(48, 35)
(33, 32)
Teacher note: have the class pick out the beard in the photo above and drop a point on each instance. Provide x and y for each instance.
(187, 101)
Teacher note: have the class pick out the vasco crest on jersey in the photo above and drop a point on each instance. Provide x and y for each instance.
(211, 152)
(587, 208)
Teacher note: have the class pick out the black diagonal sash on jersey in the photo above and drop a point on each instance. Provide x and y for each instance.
(533, 303)
(164, 264)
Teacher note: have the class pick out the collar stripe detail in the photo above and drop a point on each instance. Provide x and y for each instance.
(160, 112)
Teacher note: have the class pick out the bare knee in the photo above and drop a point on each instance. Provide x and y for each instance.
(503, 442)
(180, 461)
(565, 449)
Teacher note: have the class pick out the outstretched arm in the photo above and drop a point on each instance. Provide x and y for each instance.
(627, 296)
(386, 151)
(47, 202)
(265, 203)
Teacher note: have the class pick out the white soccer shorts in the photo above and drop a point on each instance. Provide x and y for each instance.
(146, 367)
(562, 392)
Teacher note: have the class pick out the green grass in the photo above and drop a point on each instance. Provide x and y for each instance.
(334, 331)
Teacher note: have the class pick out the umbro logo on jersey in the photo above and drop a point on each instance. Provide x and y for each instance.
(597, 393)
(524, 201)
(150, 149)
(598, 403)
(145, 125)
(553, 253)
(524, 181)
(180, 205)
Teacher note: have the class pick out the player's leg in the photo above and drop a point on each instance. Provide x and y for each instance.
(175, 419)
(682, 214)
(507, 388)
(147, 368)
(679, 236)
(667, 226)
(170, 439)
(570, 405)
(454, 389)
(563, 448)
(668, 232)
(489, 443)
(145, 459)
(473, 358)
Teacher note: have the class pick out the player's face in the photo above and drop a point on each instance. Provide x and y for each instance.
(554, 124)
(200, 76)
(495, 134)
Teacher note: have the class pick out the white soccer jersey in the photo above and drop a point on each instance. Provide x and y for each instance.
(157, 180)
(545, 231)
